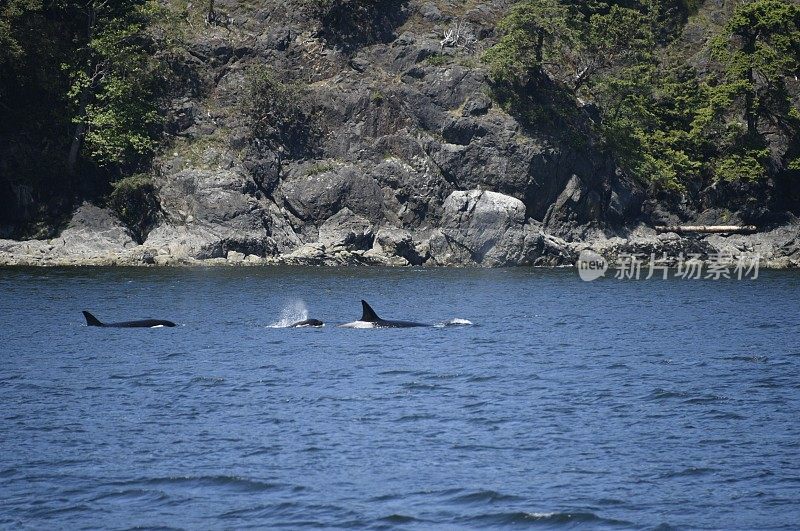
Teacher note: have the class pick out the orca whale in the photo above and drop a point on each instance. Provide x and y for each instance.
(370, 319)
(306, 323)
(91, 320)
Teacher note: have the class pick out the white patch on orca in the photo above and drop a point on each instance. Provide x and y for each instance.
(292, 313)
(358, 324)
(157, 326)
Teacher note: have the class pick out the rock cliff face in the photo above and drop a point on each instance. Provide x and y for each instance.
(408, 146)
(407, 159)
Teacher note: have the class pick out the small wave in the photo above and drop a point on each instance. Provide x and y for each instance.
(753, 359)
(725, 415)
(265, 450)
(554, 518)
(294, 312)
(129, 376)
(420, 386)
(399, 372)
(483, 496)
(610, 501)
(705, 399)
(768, 383)
(49, 512)
(206, 381)
(765, 326)
(415, 417)
(481, 378)
(131, 495)
(230, 482)
(397, 519)
(661, 394)
(691, 471)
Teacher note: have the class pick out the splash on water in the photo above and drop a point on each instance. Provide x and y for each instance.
(293, 312)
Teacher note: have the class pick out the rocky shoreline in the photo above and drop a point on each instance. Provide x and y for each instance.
(478, 228)
(412, 160)
(406, 155)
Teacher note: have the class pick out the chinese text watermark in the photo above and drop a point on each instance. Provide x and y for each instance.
(715, 266)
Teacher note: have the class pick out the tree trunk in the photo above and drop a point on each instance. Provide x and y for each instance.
(749, 107)
(77, 138)
(749, 98)
(539, 46)
(86, 93)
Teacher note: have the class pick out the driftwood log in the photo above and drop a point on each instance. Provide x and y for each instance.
(708, 229)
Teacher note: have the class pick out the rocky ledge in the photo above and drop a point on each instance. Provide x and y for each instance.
(477, 228)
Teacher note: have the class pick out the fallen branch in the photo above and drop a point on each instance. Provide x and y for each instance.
(708, 229)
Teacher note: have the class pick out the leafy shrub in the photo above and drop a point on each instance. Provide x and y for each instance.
(437, 59)
(134, 200)
(376, 97)
(279, 113)
(349, 23)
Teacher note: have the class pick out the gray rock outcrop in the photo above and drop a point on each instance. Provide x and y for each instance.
(483, 228)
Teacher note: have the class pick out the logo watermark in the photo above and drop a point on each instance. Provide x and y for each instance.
(592, 266)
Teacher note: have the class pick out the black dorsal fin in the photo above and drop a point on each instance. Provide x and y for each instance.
(368, 313)
(91, 320)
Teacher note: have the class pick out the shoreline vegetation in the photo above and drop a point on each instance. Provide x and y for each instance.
(397, 132)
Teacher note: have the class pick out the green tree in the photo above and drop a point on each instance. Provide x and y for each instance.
(648, 112)
(759, 48)
(608, 42)
(114, 89)
(572, 43)
(532, 32)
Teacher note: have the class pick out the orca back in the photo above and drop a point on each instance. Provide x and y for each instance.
(144, 323)
(368, 314)
(91, 320)
(307, 323)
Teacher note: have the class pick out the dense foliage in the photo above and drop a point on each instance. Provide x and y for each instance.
(666, 123)
(81, 85)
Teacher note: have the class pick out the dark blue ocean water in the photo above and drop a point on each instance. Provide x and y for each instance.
(610, 404)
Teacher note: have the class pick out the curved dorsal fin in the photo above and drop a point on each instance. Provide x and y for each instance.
(368, 314)
(91, 320)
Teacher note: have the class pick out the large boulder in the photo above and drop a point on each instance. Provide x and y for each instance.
(480, 227)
